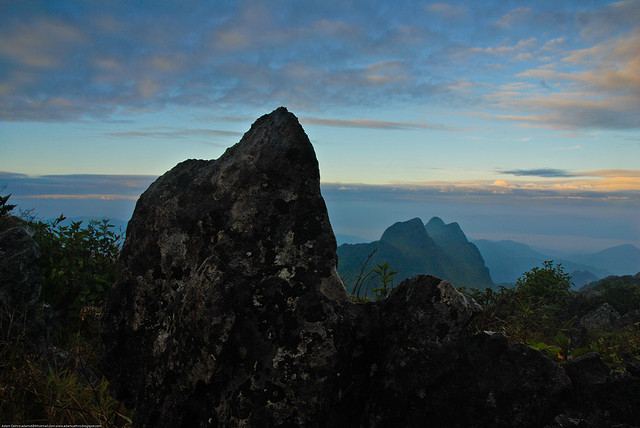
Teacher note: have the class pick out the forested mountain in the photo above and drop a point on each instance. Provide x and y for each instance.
(411, 248)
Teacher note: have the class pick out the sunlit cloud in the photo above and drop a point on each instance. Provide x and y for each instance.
(597, 87)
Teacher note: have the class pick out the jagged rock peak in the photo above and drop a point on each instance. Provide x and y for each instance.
(228, 273)
(404, 229)
(435, 221)
(437, 227)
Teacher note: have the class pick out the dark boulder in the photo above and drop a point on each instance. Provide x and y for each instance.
(429, 368)
(229, 312)
(604, 317)
(602, 398)
(228, 309)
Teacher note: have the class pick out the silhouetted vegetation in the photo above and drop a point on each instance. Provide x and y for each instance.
(542, 312)
(49, 349)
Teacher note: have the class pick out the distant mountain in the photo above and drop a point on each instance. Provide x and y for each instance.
(612, 281)
(580, 278)
(342, 238)
(464, 261)
(410, 249)
(619, 260)
(508, 260)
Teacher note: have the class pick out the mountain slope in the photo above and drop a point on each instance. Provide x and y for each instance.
(508, 260)
(411, 250)
(464, 261)
(619, 260)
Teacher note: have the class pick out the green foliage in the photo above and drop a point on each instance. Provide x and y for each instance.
(5, 207)
(542, 312)
(78, 263)
(623, 293)
(547, 284)
(362, 277)
(49, 352)
(385, 274)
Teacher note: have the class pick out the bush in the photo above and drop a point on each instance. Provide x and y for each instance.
(49, 356)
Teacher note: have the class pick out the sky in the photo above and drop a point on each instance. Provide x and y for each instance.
(519, 119)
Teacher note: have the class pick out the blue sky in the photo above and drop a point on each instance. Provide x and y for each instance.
(536, 100)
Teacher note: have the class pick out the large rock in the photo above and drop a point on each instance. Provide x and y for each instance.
(604, 317)
(229, 312)
(430, 371)
(601, 398)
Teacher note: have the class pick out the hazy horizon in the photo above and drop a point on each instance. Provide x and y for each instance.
(520, 120)
(579, 223)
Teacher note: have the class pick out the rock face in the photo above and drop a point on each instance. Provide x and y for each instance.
(229, 313)
(602, 318)
(227, 310)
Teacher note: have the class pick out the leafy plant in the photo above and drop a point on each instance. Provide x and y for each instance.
(386, 275)
(5, 207)
(49, 353)
(78, 263)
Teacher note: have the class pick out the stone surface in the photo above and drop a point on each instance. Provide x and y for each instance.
(430, 369)
(600, 398)
(227, 306)
(228, 312)
(604, 317)
(20, 277)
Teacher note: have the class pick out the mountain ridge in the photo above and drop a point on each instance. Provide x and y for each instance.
(410, 247)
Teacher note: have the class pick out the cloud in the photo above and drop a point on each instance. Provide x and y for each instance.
(364, 123)
(370, 124)
(85, 196)
(615, 17)
(447, 10)
(111, 61)
(521, 45)
(40, 43)
(540, 172)
(596, 87)
(553, 44)
(514, 16)
(92, 186)
(173, 133)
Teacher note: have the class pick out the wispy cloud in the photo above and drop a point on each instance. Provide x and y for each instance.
(371, 124)
(520, 46)
(173, 133)
(594, 87)
(364, 123)
(514, 17)
(447, 10)
(85, 196)
(539, 172)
